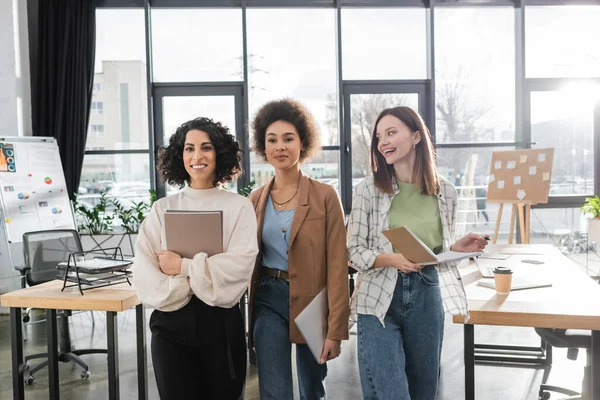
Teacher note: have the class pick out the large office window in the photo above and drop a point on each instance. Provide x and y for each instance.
(197, 45)
(475, 74)
(384, 43)
(291, 51)
(564, 120)
(562, 41)
(288, 59)
(119, 112)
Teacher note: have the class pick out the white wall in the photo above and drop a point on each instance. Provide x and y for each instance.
(15, 89)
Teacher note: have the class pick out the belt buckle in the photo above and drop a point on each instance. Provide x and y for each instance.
(278, 274)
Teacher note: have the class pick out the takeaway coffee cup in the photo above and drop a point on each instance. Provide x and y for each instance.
(503, 279)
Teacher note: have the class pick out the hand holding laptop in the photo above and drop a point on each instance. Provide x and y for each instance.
(403, 264)
(411, 247)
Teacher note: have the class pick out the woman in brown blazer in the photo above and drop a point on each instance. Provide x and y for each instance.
(302, 242)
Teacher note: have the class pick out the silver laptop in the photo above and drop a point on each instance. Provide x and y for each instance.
(312, 323)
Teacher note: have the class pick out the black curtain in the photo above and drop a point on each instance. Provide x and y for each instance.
(64, 79)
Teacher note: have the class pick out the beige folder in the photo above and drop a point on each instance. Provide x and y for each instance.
(188, 233)
(411, 247)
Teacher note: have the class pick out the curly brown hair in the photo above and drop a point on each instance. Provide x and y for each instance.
(228, 153)
(295, 113)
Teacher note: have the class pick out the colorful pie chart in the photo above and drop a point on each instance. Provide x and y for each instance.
(48, 180)
(23, 196)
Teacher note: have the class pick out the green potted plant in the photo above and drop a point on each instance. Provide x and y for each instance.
(120, 223)
(246, 190)
(591, 209)
(93, 220)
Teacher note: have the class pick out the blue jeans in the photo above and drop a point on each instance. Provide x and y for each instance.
(401, 361)
(274, 350)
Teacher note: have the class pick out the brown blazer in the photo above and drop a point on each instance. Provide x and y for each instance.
(317, 255)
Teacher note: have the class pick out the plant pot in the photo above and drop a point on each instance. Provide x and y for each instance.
(126, 241)
(594, 230)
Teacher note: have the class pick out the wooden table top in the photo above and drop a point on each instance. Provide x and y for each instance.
(48, 295)
(572, 302)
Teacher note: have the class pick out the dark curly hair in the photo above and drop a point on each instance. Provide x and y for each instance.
(290, 111)
(228, 153)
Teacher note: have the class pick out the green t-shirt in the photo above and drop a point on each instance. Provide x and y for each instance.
(418, 212)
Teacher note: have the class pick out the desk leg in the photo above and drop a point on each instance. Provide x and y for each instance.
(595, 363)
(113, 355)
(16, 338)
(140, 327)
(51, 325)
(469, 341)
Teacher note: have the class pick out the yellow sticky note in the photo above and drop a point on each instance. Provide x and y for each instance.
(8, 220)
(523, 158)
(546, 176)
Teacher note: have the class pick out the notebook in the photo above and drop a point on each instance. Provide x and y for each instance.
(188, 233)
(411, 247)
(312, 323)
(518, 283)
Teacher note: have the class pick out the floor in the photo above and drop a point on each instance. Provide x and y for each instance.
(492, 382)
(507, 382)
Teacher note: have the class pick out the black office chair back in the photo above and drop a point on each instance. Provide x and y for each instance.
(43, 250)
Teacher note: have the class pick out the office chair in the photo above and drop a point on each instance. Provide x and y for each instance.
(573, 340)
(43, 250)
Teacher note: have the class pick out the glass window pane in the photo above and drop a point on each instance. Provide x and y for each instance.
(475, 89)
(364, 109)
(197, 45)
(119, 175)
(468, 170)
(564, 120)
(292, 53)
(562, 41)
(565, 228)
(119, 99)
(325, 168)
(384, 43)
(179, 109)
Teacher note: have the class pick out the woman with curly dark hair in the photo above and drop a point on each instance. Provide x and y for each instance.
(302, 244)
(198, 336)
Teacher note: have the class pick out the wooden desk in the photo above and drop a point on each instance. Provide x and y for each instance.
(110, 299)
(572, 302)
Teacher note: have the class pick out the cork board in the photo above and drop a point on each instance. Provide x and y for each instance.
(520, 176)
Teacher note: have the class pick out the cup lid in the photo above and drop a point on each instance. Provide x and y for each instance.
(502, 270)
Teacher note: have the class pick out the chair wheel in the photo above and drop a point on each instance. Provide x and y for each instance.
(26, 318)
(544, 395)
(85, 375)
(26, 366)
(28, 380)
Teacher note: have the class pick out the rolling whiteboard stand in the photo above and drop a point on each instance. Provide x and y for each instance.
(33, 197)
(520, 178)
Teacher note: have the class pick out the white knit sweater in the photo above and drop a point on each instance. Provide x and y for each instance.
(220, 280)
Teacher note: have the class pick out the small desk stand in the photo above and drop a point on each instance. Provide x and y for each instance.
(96, 278)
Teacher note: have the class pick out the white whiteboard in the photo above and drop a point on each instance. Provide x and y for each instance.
(32, 187)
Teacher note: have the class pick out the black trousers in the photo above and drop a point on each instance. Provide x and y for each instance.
(199, 352)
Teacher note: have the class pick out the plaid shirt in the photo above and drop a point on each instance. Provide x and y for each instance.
(375, 286)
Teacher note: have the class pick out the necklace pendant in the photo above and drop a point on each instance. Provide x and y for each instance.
(283, 230)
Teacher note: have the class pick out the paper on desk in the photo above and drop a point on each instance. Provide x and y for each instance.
(494, 256)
